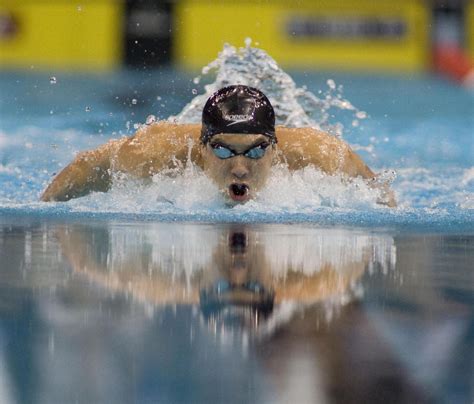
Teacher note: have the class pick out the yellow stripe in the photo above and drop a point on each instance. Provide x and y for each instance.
(204, 26)
(64, 34)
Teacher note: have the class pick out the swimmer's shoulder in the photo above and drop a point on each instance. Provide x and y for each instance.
(158, 146)
(303, 146)
(288, 137)
(167, 131)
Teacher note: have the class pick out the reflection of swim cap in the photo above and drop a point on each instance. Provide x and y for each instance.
(238, 109)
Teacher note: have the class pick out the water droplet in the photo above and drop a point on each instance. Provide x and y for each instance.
(194, 91)
(134, 101)
(51, 112)
(88, 109)
(197, 79)
(248, 42)
(331, 84)
(53, 80)
(79, 8)
(150, 119)
(136, 126)
(361, 114)
(345, 104)
(355, 123)
(158, 98)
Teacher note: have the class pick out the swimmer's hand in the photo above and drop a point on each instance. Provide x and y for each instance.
(88, 172)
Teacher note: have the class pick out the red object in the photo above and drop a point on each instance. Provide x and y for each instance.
(452, 61)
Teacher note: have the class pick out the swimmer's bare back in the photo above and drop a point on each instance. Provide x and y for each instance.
(164, 145)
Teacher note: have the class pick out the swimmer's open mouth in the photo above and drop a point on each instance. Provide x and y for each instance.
(239, 192)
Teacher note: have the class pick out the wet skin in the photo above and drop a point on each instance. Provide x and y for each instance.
(238, 177)
(164, 146)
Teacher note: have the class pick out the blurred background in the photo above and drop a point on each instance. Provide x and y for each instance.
(351, 35)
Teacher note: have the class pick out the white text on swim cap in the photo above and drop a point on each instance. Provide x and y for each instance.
(237, 118)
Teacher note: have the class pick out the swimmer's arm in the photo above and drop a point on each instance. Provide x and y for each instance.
(88, 172)
(158, 147)
(151, 149)
(157, 288)
(324, 283)
(306, 146)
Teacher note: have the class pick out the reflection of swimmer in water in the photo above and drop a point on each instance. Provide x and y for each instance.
(240, 165)
(237, 273)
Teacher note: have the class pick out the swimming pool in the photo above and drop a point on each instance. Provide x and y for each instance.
(418, 126)
(130, 296)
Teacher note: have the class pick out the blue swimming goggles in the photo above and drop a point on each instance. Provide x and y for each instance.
(224, 152)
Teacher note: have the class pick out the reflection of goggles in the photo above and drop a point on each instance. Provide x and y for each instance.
(222, 294)
(224, 152)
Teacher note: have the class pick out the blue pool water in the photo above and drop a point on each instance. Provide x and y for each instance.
(110, 311)
(420, 127)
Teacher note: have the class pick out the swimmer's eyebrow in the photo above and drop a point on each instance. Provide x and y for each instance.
(258, 142)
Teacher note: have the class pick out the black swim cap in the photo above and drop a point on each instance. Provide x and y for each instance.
(238, 109)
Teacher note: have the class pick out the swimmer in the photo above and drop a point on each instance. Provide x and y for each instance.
(236, 146)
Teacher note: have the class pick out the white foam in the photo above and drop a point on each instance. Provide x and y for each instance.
(192, 191)
(468, 176)
(294, 106)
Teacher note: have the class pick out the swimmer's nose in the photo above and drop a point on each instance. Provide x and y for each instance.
(239, 170)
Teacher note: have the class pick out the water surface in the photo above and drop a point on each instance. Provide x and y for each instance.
(414, 130)
(103, 311)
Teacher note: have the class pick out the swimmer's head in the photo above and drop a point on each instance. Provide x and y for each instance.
(236, 293)
(240, 165)
(238, 109)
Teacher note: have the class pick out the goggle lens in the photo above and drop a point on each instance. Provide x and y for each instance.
(255, 153)
(222, 152)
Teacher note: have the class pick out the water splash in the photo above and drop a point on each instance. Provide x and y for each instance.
(302, 191)
(150, 119)
(294, 106)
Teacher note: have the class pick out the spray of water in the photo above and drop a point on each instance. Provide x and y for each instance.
(294, 106)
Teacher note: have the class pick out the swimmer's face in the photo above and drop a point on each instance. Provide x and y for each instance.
(239, 177)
